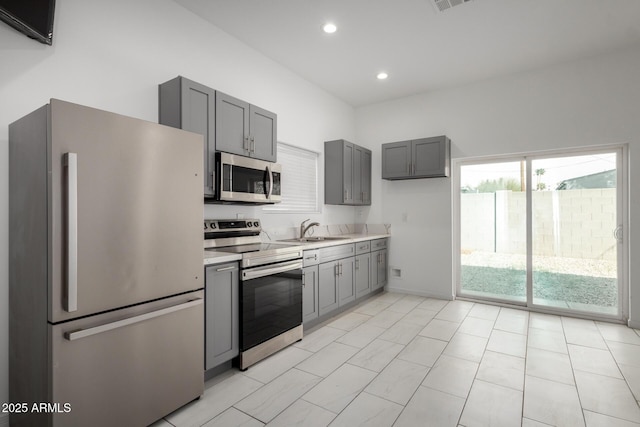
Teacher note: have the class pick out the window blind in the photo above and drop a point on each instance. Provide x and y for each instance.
(299, 180)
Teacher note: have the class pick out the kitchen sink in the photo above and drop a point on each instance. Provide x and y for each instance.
(316, 239)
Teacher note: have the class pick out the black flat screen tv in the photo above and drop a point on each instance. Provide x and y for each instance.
(31, 17)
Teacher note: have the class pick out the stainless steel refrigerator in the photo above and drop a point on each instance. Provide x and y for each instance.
(105, 270)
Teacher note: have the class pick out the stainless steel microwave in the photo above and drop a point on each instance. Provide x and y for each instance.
(243, 179)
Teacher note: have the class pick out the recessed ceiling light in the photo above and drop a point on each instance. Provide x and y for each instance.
(329, 28)
(382, 76)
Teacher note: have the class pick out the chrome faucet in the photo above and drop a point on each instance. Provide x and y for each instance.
(303, 228)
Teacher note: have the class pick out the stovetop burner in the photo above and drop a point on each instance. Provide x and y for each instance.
(243, 237)
(253, 247)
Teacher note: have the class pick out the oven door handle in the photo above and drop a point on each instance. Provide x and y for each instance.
(254, 273)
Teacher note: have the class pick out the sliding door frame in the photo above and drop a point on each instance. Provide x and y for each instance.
(622, 212)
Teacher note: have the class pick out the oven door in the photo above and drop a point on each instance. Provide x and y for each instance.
(270, 302)
(243, 179)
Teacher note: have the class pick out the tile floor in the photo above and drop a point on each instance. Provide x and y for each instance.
(404, 360)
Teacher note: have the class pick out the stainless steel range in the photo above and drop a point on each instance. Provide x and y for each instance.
(270, 288)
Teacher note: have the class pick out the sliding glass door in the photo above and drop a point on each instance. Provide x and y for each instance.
(543, 231)
(574, 227)
(493, 234)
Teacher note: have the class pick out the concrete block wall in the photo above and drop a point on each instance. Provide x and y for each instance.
(566, 223)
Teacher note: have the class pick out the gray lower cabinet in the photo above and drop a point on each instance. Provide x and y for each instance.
(337, 275)
(336, 284)
(418, 158)
(362, 274)
(378, 269)
(347, 173)
(221, 313)
(188, 105)
(346, 281)
(310, 293)
(328, 299)
(245, 129)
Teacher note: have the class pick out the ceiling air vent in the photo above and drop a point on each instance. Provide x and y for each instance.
(442, 5)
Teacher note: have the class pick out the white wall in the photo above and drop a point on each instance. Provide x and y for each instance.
(113, 54)
(589, 102)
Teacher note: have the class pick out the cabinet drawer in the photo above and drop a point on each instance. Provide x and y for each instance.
(333, 253)
(363, 247)
(378, 244)
(311, 257)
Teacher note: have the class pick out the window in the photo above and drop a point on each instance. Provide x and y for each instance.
(299, 180)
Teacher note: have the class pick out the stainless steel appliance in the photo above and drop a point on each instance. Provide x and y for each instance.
(270, 289)
(105, 272)
(243, 179)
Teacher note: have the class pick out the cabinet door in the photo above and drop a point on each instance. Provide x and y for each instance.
(430, 157)
(221, 314)
(346, 288)
(366, 177)
(310, 293)
(328, 287)
(396, 160)
(358, 155)
(382, 269)
(348, 173)
(262, 134)
(363, 274)
(378, 269)
(188, 105)
(232, 125)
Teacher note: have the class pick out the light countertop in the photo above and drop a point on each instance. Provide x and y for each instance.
(346, 239)
(219, 257)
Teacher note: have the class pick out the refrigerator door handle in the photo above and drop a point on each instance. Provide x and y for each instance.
(71, 163)
(83, 333)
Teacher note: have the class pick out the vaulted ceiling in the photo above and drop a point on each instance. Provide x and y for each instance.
(420, 48)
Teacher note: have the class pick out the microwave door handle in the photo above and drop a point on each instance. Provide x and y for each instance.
(270, 182)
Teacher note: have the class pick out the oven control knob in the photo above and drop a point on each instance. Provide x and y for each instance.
(255, 224)
(212, 225)
(205, 225)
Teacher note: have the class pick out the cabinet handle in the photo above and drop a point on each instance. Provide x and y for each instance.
(357, 264)
(303, 277)
(335, 270)
(232, 267)
(245, 145)
(253, 144)
(341, 269)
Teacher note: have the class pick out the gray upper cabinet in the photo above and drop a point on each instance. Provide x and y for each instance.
(191, 106)
(347, 173)
(366, 177)
(228, 124)
(418, 158)
(244, 129)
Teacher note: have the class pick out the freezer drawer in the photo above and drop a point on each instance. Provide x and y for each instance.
(132, 370)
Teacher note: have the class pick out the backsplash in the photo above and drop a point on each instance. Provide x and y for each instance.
(281, 233)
